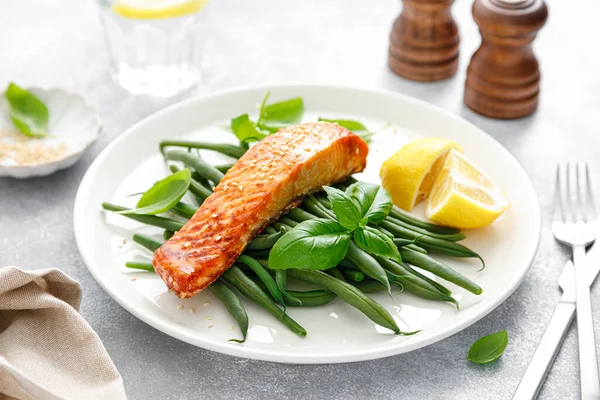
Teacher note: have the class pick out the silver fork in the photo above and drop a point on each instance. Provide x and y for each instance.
(573, 226)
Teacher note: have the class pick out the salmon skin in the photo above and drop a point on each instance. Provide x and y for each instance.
(264, 183)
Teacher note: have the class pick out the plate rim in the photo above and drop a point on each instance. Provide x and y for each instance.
(296, 358)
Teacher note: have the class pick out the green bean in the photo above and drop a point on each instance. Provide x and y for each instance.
(233, 305)
(270, 229)
(399, 228)
(404, 275)
(224, 168)
(369, 286)
(316, 209)
(246, 286)
(335, 273)
(428, 294)
(154, 220)
(199, 190)
(140, 265)
(287, 221)
(146, 242)
(439, 269)
(264, 276)
(227, 149)
(258, 254)
(167, 234)
(443, 289)
(184, 210)
(415, 248)
(367, 264)
(203, 168)
(299, 215)
(447, 248)
(409, 219)
(281, 281)
(351, 295)
(310, 298)
(353, 274)
(264, 242)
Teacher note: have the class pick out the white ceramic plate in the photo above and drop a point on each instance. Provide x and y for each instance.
(336, 332)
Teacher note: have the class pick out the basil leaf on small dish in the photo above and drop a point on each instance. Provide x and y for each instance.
(346, 209)
(163, 195)
(488, 348)
(317, 244)
(245, 130)
(376, 243)
(375, 201)
(27, 112)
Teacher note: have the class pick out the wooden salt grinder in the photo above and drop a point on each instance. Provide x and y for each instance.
(424, 41)
(503, 78)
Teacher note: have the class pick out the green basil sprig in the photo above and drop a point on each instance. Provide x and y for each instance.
(488, 348)
(27, 111)
(321, 244)
(271, 118)
(163, 195)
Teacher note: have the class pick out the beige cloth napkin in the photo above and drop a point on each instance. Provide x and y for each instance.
(47, 349)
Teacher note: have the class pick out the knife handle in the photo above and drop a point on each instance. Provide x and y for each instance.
(588, 362)
(546, 351)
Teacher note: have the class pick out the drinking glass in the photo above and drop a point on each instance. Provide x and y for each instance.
(154, 51)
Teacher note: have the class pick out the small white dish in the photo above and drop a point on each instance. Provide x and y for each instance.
(73, 121)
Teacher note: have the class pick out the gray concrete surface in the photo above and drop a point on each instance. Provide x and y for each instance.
(59, 43)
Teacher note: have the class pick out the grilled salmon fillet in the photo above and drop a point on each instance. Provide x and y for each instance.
(263, 184)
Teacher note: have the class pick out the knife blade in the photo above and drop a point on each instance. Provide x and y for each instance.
(555, 332)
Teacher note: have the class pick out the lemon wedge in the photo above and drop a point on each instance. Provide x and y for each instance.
(157, 9)
(409, 174)
(464, 196)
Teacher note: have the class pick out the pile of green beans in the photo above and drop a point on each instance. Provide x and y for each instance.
(357, 274)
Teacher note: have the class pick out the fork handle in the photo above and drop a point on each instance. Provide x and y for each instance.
(544, 355)
(588, 362)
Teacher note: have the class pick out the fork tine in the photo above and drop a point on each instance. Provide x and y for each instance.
(568, 211)
(558, 203)
(579, 211)
(590, 203)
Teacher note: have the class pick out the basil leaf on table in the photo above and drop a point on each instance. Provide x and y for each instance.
(281, 114)
(488, 348)
(245, 130)
(163, 195)
(316, 244)
(353, 126)
(345, 208)
(374, 200)
(376, 243)
(27, 112)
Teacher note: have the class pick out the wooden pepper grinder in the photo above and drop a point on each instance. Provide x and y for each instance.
(424, 41)
(503, 78)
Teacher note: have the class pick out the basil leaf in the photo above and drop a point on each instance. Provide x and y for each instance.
(353, 126)
(376, 243)
(282, 114)
(346, 209)
(163, 195)
(316, 244)
(488, 348)
(374, 200)
(27, 112)
(245, 130)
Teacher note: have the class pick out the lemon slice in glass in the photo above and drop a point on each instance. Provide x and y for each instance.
(157, 9)
(464, 196)
(410, 173)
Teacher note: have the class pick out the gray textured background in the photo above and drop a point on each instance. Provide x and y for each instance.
(59, 43)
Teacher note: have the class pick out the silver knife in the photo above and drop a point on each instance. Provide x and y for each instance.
(555, 333)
